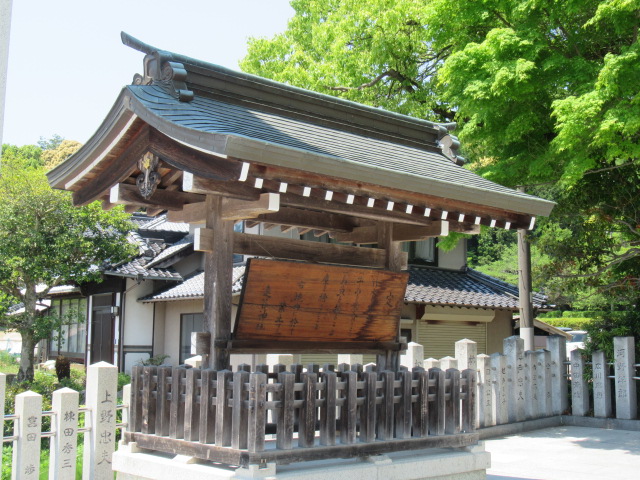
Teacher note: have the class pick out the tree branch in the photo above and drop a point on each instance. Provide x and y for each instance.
(389, 73)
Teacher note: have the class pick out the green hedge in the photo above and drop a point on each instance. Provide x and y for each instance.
(571, 314)
(572, 323)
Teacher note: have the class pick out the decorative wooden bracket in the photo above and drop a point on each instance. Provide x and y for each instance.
(149, 179)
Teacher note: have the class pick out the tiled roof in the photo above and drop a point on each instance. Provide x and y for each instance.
(468, 288)
(161, 224)
(430, 285)
(174, 249)
(193, 288)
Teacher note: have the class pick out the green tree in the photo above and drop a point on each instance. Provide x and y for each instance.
(52, 157)
(544, 92)
(45, 241)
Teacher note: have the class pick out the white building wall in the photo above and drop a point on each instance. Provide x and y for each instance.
(137, 338)
(455, 259)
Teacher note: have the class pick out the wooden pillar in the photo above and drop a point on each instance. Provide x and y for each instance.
(218, 268)
(390, 359)
(524, 287)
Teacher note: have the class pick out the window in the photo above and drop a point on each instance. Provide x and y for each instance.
(422, 252)
(189, 322)
(72, 335)
(238, 227)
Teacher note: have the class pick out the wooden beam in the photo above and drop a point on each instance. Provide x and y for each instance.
(309, 220)
(189, 159)
(196, 184)
(232, 209)
(407, 233)
(115, 172)
(122, 193)
(266, 246)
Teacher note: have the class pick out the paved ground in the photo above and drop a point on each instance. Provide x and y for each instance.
(566, 453)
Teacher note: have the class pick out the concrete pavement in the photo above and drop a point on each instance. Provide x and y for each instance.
(566, 453)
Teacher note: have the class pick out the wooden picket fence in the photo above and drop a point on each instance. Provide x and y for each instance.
(278, 416)
(99, 428)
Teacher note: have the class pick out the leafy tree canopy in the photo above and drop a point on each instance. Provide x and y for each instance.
(45, 241)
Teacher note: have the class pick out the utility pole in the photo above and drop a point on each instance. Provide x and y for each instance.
(524, 287)
(5, 30)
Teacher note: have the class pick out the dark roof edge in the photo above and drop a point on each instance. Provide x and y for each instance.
(233, 82)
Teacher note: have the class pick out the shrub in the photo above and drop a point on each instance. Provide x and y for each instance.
(572, 323)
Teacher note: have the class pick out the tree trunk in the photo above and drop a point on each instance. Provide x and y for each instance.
(26, 357)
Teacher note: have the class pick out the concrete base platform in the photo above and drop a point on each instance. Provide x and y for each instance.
(469, 463)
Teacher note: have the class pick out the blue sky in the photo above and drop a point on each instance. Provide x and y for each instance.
(67, 63)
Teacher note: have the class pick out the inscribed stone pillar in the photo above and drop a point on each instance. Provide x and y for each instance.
(579, 386)
(99, 443)
(601, 386)
(545, 383)
(448, 362)
(499, 388)
(413, 357)
(62, 454)
(279, 358)
(26, 449)
(485, 396)
(350, 359)
(466, 353)
(559, 382)
(624, 353)
(431, 363)
(531, 384)
(514, 351)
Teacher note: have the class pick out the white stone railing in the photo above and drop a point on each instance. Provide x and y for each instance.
(99, 430)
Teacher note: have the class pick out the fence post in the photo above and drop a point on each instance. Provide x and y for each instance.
(559, 383)
(26, 449)
(62, 454)
(413, 357)
(485, 397)
(447, 363)
(430, 363)
(466, 352)
(532, 380)
(257, 411)
(579, 387)
(624, 353)
(601, 386)
(545, 377)
(499, 388)
(99, 442)
(514, 351)
(126, 402)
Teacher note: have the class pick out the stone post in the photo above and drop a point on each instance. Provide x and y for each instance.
(62, 460)
(413, 357)
(514, 351)
(602, 406)
(559, 382)
(531, 385)
(195, 361)
(545, 383)
(99, 443)
(431, 363)
(466, 354)
(126, 401)
(350, 359)
(278, 358)
(485, 396)
(499, 388)
(624, 357)
(448, 362)
(579, 386)
(28, 428)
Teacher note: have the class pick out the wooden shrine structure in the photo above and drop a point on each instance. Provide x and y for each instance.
(213, 147)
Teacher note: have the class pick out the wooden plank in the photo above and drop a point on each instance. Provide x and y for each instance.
(162, 402)
(421, 406)
(368, 420)
(218, 272)
(148, 402)
(468, 422)
(135, 411)
(257, 411)
(232, 209)
(240, 412)
(386, 423)
(437, 410)
(327, 347)
(191, 407)
(328, 409)
(116, 171)
(223, 410)
(285, 420)
(287, 248)
(125, 194)
(452, 409)
(307, 417)
(176, 420)
(188, 159)
(401, 233)
(349, 304)
(206, 186)
(207, 429)
(403, 408)
(348, 408)
(309, 219)
(230, 456)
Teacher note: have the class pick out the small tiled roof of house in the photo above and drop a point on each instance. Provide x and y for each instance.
(430, 285)
(180, 246)
(160, 224)
(468, 288)
(193, 288)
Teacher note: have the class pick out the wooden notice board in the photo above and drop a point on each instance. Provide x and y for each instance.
(287, 302)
